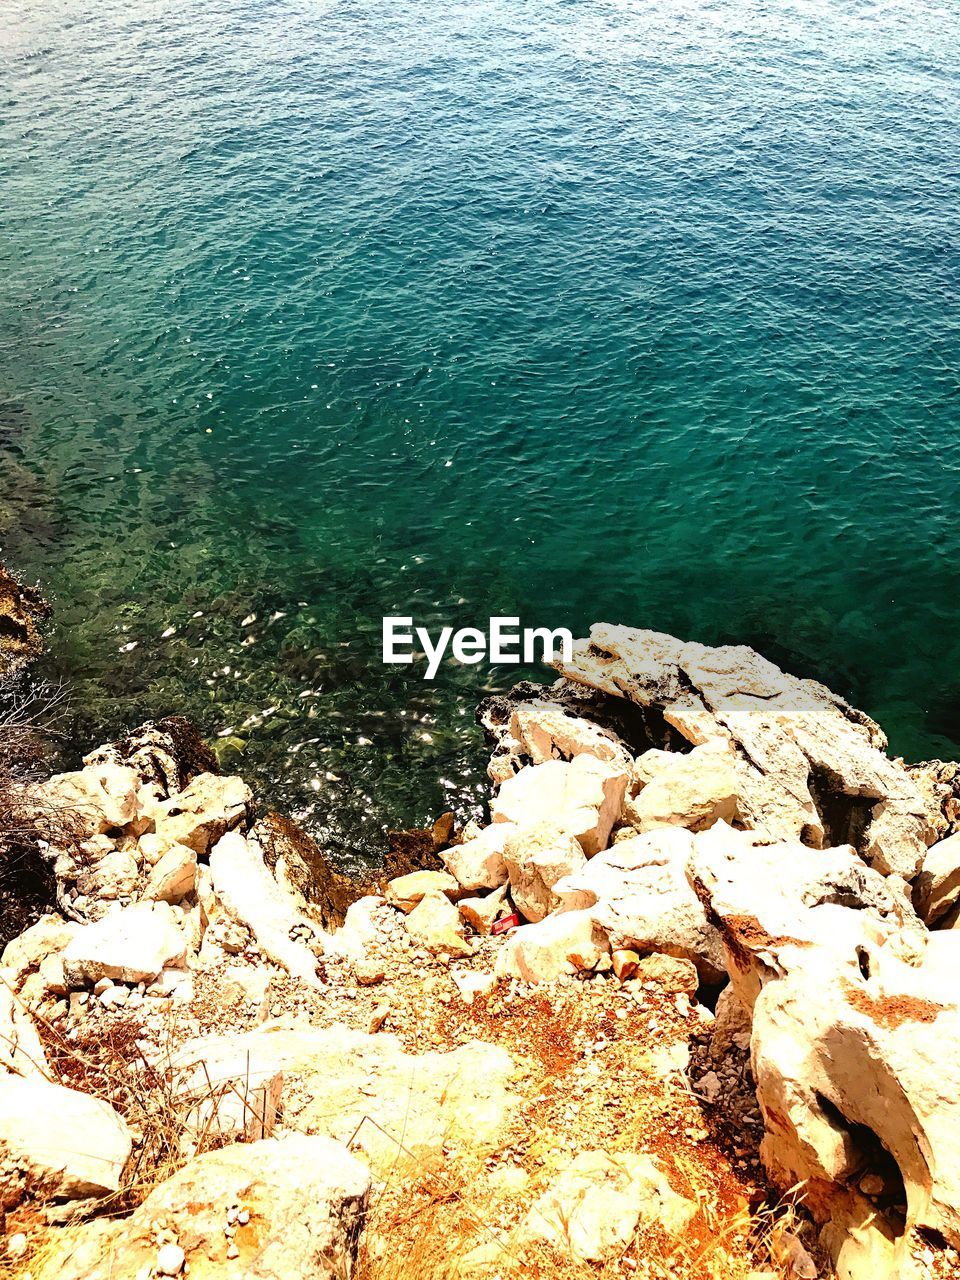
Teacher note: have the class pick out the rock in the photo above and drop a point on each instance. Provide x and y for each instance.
(561, 944)
(470, 984)
(174, 876)
(536, 858)
(22, 613)
(133, 945)
(583, 797)
(334, 1078)
(203, 812)
(435, 924)
(482, 913)
(534, 731)
(644, 901)
(692, 790)
(49, 936)
(809, 767)
(478, 863)
(170, 1260)
(369, 971)
(21, 1051)
(115, 875)
(364, 932)
(673, 974)
(625, 964)
(242, 983)
(937, 888)
(306, 1198)
(855, 1045)
(592, 1209)
(90, 801)
(251, 896)
(165, 755)
(731, 1025)
(57, 1142)
(406, 892)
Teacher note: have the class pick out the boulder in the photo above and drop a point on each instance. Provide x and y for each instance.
(165, 755)
(173, 877)
(345, 1083)
(809, 767)
(436, 925)
(478, 863)
(535, 730)
(536, 858)
(406, 891)
(132, 945)
(250, 895)
(692, 790)
(567, 943)
(206, 809)
(644, 902)
(48, 936)
(936, 890)
(591, 1210)
(115, 875)
(86, 802)
(481, 914)
(56, 1142)
(583, 797)
(304, 1202)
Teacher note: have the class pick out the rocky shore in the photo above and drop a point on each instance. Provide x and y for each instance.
(685, 1007)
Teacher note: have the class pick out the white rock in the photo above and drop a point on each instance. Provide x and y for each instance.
(170, 1260)
(66, 1143)
(173, 877)
(937, 887)
(435, 924)
(471, 984)
(562, 944)
(482, 913)
(583, 797)
(406, 891)
(203, 812)
(306, 1198)
(21, 1050)
(249, 894)
(132, 945)
(693, 790)
(592, 1209)
(537, 857)
(478, 863)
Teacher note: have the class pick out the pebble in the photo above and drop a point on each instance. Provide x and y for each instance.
(170, 1260)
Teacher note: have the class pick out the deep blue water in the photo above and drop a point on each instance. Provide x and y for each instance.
(644, 312)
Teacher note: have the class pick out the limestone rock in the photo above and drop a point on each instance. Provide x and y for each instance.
(88, 801)
(48, 936)
(471, 984)
(251, 896)
(535, 730)
(115, 875)
(165, 755)
(536, 858)
(644, 901)
(693, 790)
(478, 863)
(809, 767)
(335, 1077)
(570, 942)
(937, 888)
(203, 812)
(131, 945)
(57, 1142)
(173, 877)
(304, 1198)
(482, 913)
(406, 891)
(583, 797)
(592, 1209)
(435, 924)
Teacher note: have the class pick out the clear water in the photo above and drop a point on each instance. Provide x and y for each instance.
(645, 312)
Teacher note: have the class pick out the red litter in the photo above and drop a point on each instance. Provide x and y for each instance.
(507, 922)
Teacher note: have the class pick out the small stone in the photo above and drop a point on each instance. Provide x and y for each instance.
(170, 1260)
(17, 1245)
(243, 1217)
(232, 1250)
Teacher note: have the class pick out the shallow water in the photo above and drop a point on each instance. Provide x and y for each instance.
(647, 312)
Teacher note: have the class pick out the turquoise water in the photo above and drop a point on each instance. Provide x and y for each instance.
(646, 312)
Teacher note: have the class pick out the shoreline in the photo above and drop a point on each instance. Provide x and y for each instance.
(604, 1034)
